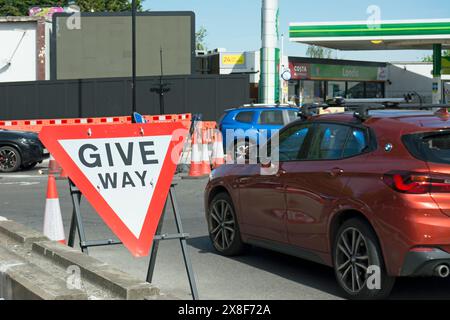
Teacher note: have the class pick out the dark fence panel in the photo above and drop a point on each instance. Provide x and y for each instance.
(209, 95)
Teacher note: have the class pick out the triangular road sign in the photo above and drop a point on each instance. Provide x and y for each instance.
(124, 171)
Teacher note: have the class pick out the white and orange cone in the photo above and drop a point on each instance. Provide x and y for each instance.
(195, 170)
(206, 165)
(53, 224)
(218, 157)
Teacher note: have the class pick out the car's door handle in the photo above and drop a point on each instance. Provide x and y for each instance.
(243, 180)
(336, 172)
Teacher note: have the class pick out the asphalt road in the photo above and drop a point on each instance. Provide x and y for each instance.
(259, 274)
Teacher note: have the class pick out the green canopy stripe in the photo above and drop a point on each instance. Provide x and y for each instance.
(389, 29)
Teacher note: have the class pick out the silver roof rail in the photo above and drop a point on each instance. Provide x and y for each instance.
(267, 105)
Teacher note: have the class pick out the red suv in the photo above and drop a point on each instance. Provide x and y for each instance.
(368, 196)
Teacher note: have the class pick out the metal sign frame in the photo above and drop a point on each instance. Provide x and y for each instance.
(76, 226)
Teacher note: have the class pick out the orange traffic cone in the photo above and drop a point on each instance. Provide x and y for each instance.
(206, 166)
(195, 170)
(53, 224)
(218, 154)
(53, 166)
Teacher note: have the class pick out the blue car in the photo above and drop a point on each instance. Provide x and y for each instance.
(249, 122)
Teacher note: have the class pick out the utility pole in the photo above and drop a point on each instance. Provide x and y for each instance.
(133, 55)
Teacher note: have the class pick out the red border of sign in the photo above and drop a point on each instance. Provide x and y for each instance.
(139, 247)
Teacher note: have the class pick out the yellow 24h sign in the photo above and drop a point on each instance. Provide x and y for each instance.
(233, 59)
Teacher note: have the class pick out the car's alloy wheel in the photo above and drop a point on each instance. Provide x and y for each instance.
(352, 260)
(358, 262)
(9, 159)
(223, 226)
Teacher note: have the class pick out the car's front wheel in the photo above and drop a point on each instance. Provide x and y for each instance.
(358, 262)
(10, 159)
(223, 226)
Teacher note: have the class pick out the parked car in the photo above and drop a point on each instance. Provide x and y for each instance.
(20, 150)
(249, 121)
(367, 197)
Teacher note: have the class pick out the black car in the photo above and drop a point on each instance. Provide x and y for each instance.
(20, 150)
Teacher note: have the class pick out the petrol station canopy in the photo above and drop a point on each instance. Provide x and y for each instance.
(385, 35)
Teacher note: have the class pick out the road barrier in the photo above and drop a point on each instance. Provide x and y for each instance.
(209, 139)
(36, 125)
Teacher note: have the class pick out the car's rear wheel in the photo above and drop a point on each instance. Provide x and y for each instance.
(10, 159)
(223, 226)
(358, 262)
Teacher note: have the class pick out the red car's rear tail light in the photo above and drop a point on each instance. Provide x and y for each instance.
(416, 183)
(407, 182)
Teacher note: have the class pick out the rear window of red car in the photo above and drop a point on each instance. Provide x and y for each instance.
(430, 147)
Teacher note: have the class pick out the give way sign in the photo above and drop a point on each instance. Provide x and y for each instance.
(124, 171)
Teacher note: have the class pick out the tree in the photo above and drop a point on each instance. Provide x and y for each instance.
(445, 53)
(319, 52)
(200, 37)
(21, 7)
(107, 5)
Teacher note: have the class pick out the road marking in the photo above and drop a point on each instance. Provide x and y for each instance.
(21, 176)
(19, 183)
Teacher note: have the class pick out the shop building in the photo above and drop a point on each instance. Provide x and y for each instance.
(220, 61)
(23, 49)
(433, 34)
(316, 80)
(416, 77)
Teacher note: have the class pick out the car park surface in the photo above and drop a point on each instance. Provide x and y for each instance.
(260, 274)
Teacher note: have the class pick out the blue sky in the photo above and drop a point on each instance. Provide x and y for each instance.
(235, 24)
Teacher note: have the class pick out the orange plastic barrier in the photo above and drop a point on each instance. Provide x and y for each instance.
(36, 125)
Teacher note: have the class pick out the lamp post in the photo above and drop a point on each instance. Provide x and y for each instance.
(133, 54)
(162, 88)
